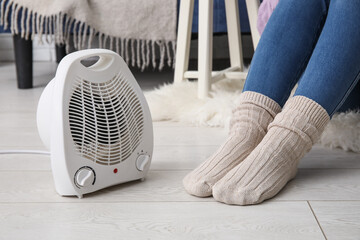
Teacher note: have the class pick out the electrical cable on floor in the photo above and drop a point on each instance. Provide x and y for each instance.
(24, 152)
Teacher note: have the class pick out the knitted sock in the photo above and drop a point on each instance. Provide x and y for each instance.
(274, 161)
(248, 126)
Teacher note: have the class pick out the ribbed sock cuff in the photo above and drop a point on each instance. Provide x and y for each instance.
(305, 106)
(260, 100)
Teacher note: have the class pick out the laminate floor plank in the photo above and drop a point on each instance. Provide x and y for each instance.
(166, 185)
(143, 220)
(338, 219)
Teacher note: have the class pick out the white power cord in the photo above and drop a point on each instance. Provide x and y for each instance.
(24, 152)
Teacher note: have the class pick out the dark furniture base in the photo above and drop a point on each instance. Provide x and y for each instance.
(60, 52)
(23, 60)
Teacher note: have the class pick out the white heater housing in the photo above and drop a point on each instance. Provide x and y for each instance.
(96, 123)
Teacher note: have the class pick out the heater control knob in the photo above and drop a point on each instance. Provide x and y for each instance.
(84, 177)
(142, 161)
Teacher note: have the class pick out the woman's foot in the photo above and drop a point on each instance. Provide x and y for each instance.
(274, 161)
(248, 126)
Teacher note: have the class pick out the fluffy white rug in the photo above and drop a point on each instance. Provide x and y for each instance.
(179, 102)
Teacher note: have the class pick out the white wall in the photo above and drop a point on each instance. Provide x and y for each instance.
(44, 52)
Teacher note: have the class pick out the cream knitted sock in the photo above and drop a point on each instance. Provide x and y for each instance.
(274, 161)
(248, 126)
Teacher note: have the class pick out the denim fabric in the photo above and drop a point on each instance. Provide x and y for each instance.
(352, 102)
(313, 42)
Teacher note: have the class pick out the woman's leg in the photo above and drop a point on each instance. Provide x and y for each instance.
(334, 67)
(285, 47)
(281, 56)
(331, 73)
(352, 102)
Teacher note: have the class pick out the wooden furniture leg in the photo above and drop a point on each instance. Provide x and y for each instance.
(183, 39)
(234, 34)
(253, 9)
(60, 52)
(23, 61)
(206, 9)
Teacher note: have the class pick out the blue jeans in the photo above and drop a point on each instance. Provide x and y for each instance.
(315, 43)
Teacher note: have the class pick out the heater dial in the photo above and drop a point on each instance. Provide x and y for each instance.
(84, 177)
(142, 161)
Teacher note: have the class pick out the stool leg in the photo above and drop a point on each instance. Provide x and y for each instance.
(253, 9)
(183, 39)
(234, 34)
(205, 47)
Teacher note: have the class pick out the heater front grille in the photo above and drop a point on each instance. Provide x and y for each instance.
(106, 120)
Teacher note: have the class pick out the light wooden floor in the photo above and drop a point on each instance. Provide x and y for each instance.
(323, 202)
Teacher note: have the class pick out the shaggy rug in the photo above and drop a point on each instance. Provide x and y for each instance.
(179, 102)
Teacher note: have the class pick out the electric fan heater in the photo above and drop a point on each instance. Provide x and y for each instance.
(96, 123)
